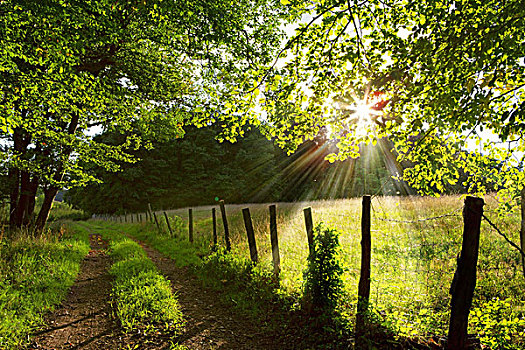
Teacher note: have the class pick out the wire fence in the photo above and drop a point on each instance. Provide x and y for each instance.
(414, 256)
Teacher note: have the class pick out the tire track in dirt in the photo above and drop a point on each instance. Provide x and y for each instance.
(83, 319)
(209, 323)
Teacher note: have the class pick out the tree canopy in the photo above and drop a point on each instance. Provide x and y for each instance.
(143, 67)
(432, 76)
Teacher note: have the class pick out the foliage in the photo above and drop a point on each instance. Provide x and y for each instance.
(36, 275)
(323, 286)
(439, 77)
(197, 169)
(141, 70)
(499, 325)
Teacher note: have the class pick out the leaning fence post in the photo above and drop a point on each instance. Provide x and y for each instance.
(363, 294)
(251, 236)
(464, 281)
(156, 221)
(522, 231)
(150, 212)
(214, 219)
(225, 223)
(274, 241)
(190, 224)
(308, 221)
(168, 224)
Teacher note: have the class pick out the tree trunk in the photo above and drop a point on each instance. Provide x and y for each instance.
(31, 201)
(43, 215)
(51, 192)
(14, 179)
(21, 206)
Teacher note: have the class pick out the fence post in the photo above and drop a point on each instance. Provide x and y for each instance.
(225, 223)
(363, 293)
(214, 219)
(168, 224)
(140, 218)
(250, 233)
(522, 231)
(190, 224)
(274, 240)
(308, 221)
(156, 221)
(131, 216)
(125, 217)
(464, 282)
(150, 212)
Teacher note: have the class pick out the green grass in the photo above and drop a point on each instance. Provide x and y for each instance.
(412, 262)
(35, 275)
(142, 298)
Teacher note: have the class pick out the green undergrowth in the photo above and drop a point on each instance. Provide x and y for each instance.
(249, 287)
(35, 275)
(142, 298)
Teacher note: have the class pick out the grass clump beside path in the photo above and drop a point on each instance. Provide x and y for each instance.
(35, 275)
(141, 296)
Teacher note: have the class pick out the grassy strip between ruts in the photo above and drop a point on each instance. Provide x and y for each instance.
(35, 275)
(142, 298)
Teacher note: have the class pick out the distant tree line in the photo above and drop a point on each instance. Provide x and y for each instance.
(198, 170)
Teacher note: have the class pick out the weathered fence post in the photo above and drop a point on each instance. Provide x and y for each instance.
(522, 231)
(274, 241)
(309, 223)
(150, 212)
(225, 223)
(250, 233)
(214, 219)
(168, 224)
(131, 216)
(156, 221)
(464, 282)
(137, 217)
(190, 224)
(363, 293)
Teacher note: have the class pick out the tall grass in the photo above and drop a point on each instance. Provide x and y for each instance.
(35, 274)
(413, 262)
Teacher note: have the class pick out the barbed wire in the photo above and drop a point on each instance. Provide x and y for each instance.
(504, 236)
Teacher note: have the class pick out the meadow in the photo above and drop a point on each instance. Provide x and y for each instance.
(415, 244)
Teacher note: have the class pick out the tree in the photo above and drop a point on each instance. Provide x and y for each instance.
(441, 70)
(144, 68)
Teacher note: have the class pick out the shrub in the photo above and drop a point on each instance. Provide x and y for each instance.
(323, 283)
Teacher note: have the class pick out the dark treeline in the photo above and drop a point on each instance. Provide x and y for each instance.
(198, 170)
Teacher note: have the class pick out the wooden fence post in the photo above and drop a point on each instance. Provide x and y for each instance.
(150, 212)
(309, 223)
(363, 293)
(190, 224)
(274, 240)
(131, 217)
(464, 282)
(125, 217)
(250, 233)
(168, 224)
(522, 231)
(214, 219)
(225, 223)
(156, 221)
(137, 217)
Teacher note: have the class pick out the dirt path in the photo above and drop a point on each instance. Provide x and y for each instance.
(209, 323)
(82, 321)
